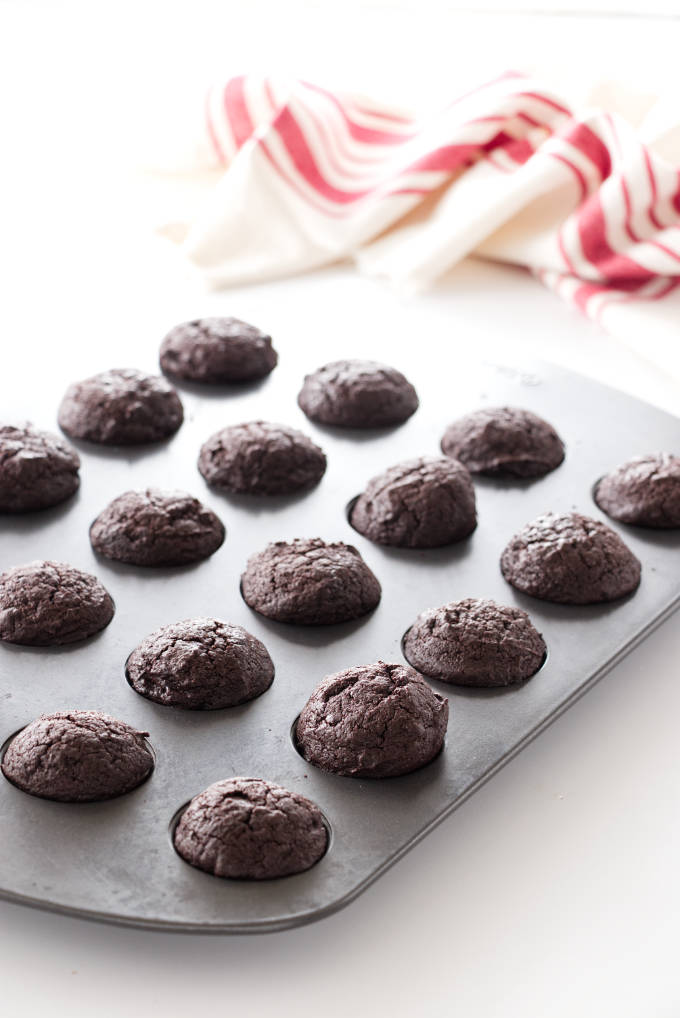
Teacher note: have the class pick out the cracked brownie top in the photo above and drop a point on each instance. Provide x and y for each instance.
(504, 441)
(217, 351)
(121, 407)
(644, 491)
(475, 642)
(421, 503)
(200, 663)
(156, 528)
(571, 559)
(310, 582)
(77, 756)
(259, 458)
(357, 394)
(372, 721)
(37, 469)
(246, 828)
(47, 603)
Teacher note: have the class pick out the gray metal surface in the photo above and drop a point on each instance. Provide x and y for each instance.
(114, 861)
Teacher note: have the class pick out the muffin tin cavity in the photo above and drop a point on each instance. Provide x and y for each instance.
(424, 502)
(77, 756)
(644, 491)
(342, 777)
(377, 720)
(476, 643)
(250, 829)
(200, 664)
(181, 810)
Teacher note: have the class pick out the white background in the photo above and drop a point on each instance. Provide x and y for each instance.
(554, 892)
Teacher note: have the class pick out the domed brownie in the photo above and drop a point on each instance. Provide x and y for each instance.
(420, 503)
(475, 642)
(310, 582)
(259, 458)
(372, 721)
(357, 394)
(156, 528)
(200, 664)
(121, 407)
(249, 829)
(47, 603)
(37, 469)
(644, 491)
(217, 351)
(504, 441)
(77, 756)
(570, 559)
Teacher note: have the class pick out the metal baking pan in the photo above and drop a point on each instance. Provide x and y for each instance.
(114, 861)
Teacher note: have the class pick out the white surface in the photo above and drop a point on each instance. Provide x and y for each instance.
(554, 892)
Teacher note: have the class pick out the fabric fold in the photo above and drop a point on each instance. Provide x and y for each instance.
(508, 171)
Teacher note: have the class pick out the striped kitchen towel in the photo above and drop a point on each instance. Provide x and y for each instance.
(508, 171)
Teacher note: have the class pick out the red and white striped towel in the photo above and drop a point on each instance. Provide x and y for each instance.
(507, 171)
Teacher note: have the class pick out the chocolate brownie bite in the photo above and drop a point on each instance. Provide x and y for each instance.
(420, 503)
(309, 582)
(217, 351)
(45, 604)
(644, 491)
(121, 407)
(200, 664)
(259, 458)
(156, 528)
(504, 441)
(357, 394)
(372, 721)
(77, 756)
(570, 559)
(37, 469)
(249, 829)
(475, 642)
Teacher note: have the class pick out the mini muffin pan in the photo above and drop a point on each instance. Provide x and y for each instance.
(114, 860)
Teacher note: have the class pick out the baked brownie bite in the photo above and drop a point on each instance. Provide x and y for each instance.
(259, 458)
(357, 394)
(217, 351)
(372, 721)
(121, 407)
(475, 642)
(309, 582)
(420, 503)
(46, 603)
(570, 559)
(37, 469)
(249, 829)
(201, 664)
(504, 441)
(644, 491)
(77, 756)
(156, 528)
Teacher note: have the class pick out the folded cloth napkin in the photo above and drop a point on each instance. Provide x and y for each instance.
(586, 201)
